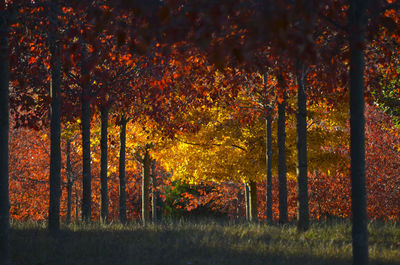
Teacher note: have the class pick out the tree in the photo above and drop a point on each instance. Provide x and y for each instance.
(154, 192)
(122, 179)
(4, 126)
(357, 16)
(69, 181)
(142, 154)
(302, 192)
(86, 119)
(283, 206)
(269, 167)
(104, 163)
(55, 124)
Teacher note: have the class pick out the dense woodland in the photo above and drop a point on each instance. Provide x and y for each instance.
(142, 111)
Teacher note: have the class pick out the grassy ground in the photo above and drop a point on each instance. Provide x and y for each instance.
(199, 243)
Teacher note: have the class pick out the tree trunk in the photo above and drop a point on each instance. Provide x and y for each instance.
(55, 123)
(145, 188)
(122, 180)
(4, 125)
(238, 205)
(76, 206)
(247, 200)
(302, 189)
(283, 204)
(269, 168)
(69, 181)
(357, 26)
(86, 170)
(154, 195)
(104, 164)
(253, 201)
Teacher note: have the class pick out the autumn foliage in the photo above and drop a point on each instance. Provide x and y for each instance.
(328, 188)
(196, 85)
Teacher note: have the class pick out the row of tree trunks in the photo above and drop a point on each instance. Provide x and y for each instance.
(251, 200)
(4, 126)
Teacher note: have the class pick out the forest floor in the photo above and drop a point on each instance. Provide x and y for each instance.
(189, 243)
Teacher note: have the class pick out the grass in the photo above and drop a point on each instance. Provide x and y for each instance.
(190, 243)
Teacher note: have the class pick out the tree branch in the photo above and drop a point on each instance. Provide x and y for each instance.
(334, 23)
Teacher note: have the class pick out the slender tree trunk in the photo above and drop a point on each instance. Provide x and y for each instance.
(302, 179)
(104, 163)
(55, 123)
(247, 200)
(76, 206)
(154, 195)
(253, 201)
(283, 205)
(86, 170)
(238, 205)
(69, 181)
(122, 180)
(269, 168)
(145, 188)
(4, 125)
(357, 26)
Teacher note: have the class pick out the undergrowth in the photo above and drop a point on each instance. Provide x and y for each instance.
(207, 242)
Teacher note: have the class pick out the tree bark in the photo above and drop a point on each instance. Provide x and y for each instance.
(122, 180)
(154, 195)
(55, 123)
(247, 200)
(76, 206)
(239, 209)
(269, 168)
(69, 182)
(4, 126)
(253, 201)
(357, 27)
(302, 179)
(283, 205)
(104, 163)
(86, 169)
(145, 188)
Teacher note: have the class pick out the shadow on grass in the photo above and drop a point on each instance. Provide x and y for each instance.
(163, 245)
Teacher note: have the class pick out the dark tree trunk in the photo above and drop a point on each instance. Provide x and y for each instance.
(145, 188)
(247, 200)
(55, 123)
(122, 180)
(103, 163)
(302, 180)
(4, 125)
(154, 195)
(253, 201)
(86, 171)
(269, 168)
(283, 204)
(357, 26)
(76, 206)
(69, 181)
